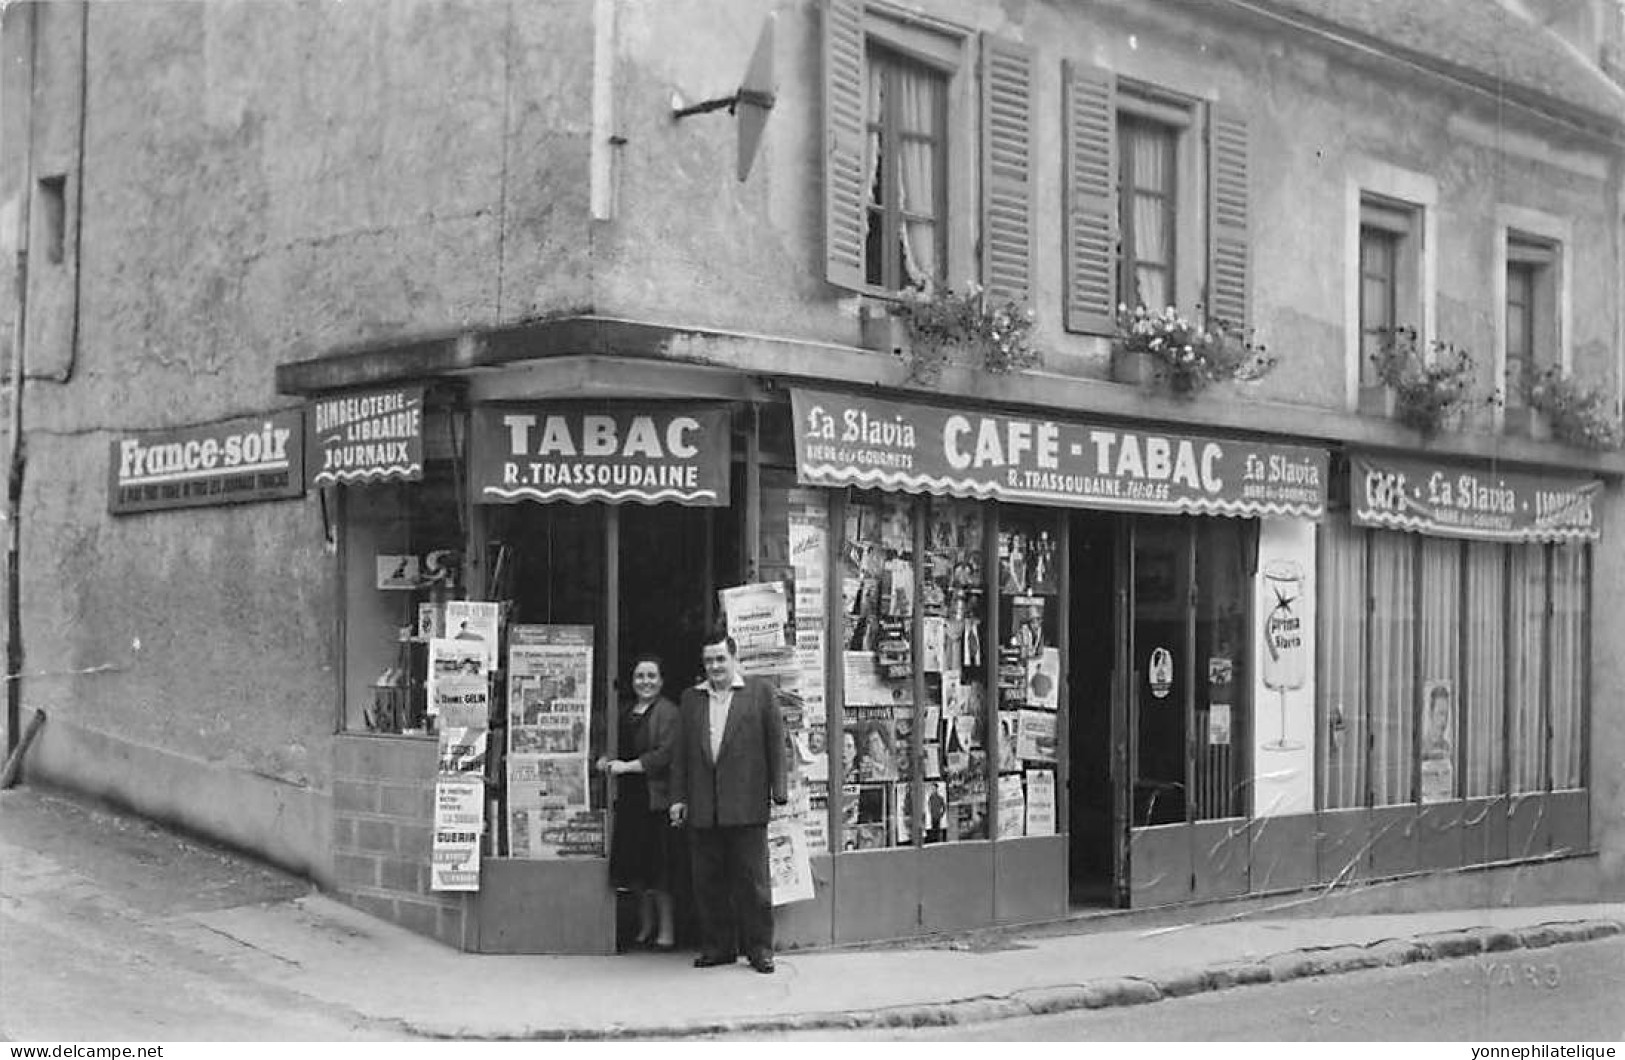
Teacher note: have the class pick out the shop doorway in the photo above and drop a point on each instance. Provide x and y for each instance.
(666, 590)
(1092, 653)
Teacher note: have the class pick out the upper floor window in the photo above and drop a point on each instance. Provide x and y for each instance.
(1390, 275)
(927, 153)
(1147, 211)
(1531, 314)
(905, 244)
(1138, 161)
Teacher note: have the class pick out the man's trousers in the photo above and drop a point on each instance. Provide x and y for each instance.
(731, 890)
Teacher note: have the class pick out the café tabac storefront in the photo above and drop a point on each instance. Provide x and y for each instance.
(1025, 662)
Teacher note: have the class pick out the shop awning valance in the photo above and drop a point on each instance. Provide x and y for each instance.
(608, 452)
(375, 436)
(1449, 500)
(870, 442)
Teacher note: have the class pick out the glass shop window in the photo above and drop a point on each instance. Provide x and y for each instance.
(878, 597)
(402, 545)
(1029, 672)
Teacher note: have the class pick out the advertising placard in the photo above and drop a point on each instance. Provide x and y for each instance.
(617, 455)
(1446, 500)
(371, 437)
(459, 819)
(549, 695)
(255, 458)
(868, 442)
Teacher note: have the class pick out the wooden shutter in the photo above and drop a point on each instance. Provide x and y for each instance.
(1228, 266)
(1091, 207)
(843, 143)
(1007, 179)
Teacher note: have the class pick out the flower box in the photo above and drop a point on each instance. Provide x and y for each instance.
(1526, 422)
(1133, 367)
(882, 332)
(1377, 400)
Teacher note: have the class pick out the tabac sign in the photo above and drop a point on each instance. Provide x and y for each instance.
(1480, 503)
(253, 459)
(372, 437)
(616, 454)
(856, 440)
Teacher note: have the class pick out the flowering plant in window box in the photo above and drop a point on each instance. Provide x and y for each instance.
(1166, 346)
(1432, 385)
(1583, 414)
(941, 323)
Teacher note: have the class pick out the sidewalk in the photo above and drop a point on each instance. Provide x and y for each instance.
(270, 930)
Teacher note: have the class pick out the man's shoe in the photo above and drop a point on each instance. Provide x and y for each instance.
(712, 960)
(762, 962)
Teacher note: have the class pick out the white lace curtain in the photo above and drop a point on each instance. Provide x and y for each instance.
(913, 182)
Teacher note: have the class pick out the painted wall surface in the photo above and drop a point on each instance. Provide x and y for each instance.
(260, 183)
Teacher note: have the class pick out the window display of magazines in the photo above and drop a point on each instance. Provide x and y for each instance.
(1029, 675)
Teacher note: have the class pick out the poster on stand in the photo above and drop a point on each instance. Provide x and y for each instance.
(475, 621)
(549, 694)
(1012, 807)
(1438, 741)
(462, 737)
(758, 620)
(1040, 802)
(789, 865)
(1035, 736)
(459, 820)
(458, 673)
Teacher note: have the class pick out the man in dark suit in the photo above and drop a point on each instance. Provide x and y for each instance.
(727, 770)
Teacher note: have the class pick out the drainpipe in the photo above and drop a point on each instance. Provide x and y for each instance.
(14, 482)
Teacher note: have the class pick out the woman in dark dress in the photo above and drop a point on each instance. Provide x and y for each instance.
(640, 858)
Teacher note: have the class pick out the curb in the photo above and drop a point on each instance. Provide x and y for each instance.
(1105, 993)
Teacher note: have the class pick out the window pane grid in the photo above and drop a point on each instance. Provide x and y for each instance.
(1147, 210)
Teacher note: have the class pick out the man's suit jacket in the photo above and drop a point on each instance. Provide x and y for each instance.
(747, 775)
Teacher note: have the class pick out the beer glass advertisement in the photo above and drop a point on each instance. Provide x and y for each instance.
(1284, 692)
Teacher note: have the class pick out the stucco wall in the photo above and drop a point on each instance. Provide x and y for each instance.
(261, 182)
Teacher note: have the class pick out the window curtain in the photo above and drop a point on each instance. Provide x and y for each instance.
(1150, 164)
(1484, 740)
(1441, 651)
(1393, 669)
(918, 98)
(1526, 645)
(1568, 633)
(1342, 666)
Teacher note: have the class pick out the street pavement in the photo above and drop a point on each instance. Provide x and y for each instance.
(114, 928)
(1562, 993)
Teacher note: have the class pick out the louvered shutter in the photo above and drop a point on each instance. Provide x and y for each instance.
(843, 143)
(1007, 179)
(1228, 266)
(1091, 207)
